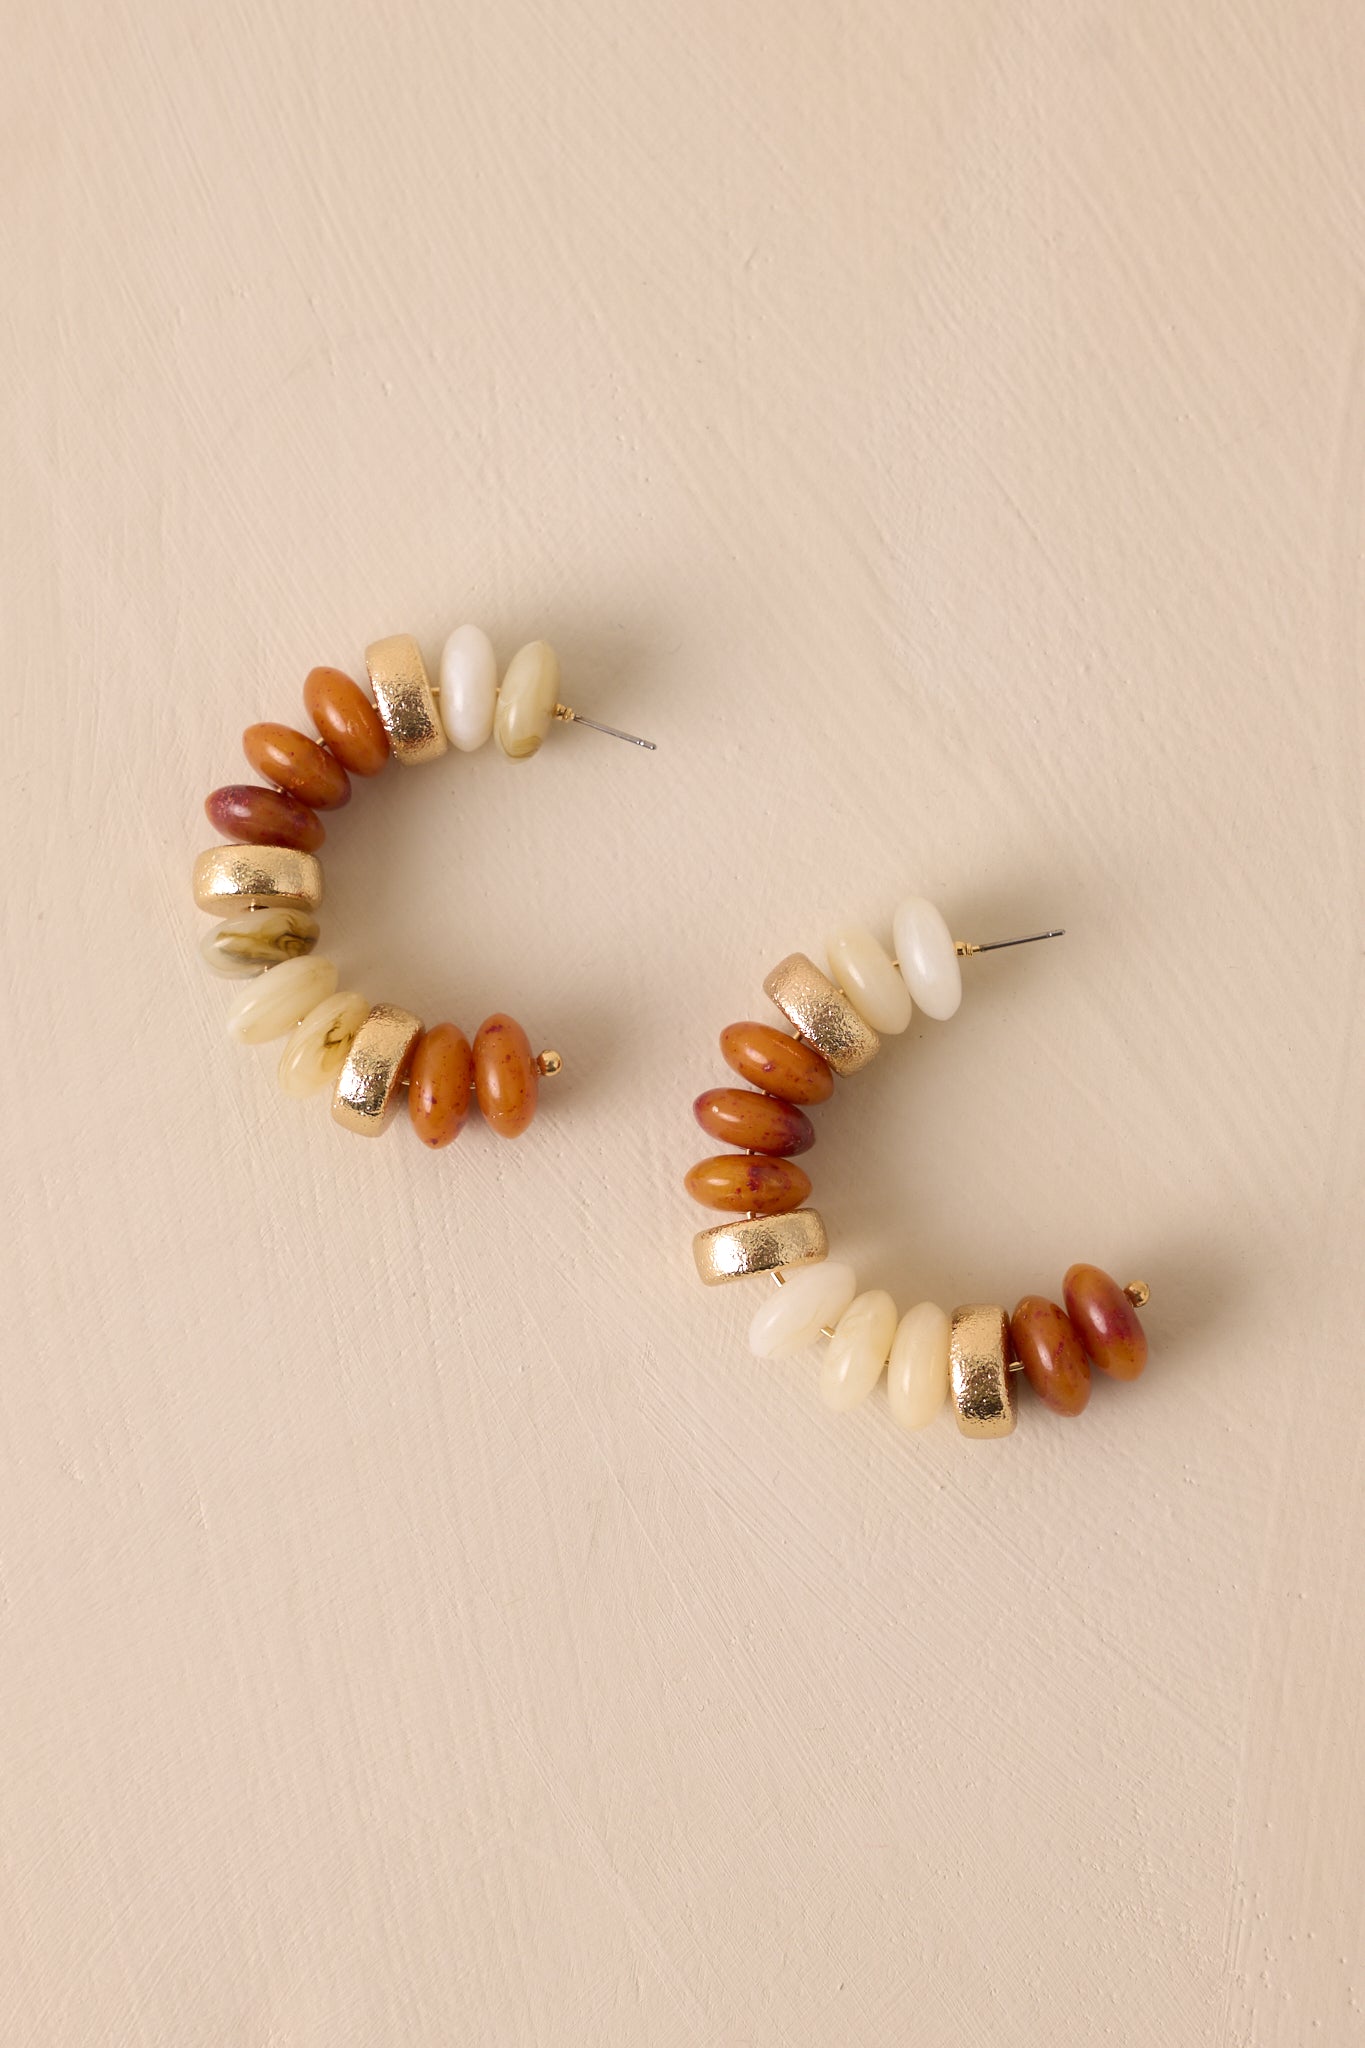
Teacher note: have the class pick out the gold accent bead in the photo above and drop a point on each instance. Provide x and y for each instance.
(760, 1244)
(405, 699)
(549, 1063)
(229, 878)
(979, 1371)
(821, 1014)
(1138, 1292)
(376, 1066)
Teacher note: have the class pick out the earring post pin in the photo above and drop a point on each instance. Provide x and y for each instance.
(966, 949)
(568, 716)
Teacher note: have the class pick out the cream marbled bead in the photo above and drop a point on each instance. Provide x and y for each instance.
(273, 1004)
(867, 975)
(858, 1349)
(917, 1373)
(527, 699)
(927, 957)
(469, 688)
(794, 1315)
(257, 939)
(317, 1048)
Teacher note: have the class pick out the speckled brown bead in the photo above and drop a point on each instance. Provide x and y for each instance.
(756, 1123)
(1052, 1355)
(776, 1062)
(439, 1083)
(263, 817)
(347, 720)
(744, 1184)
(1106, 1322)
(297, 764)
(506, 1077)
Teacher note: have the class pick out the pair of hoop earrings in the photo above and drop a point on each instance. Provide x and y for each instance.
(265, 886)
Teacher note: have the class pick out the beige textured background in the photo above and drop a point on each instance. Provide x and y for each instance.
(943, 428)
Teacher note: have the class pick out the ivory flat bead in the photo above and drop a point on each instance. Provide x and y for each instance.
(867, 975)
(527, 699)
(316, 1049)
(793, 1316)
(469, 688)
(928, 957)
(776, 1062)
(917, 1373)
(857, 1350)
(247, 945)
(273, 1004)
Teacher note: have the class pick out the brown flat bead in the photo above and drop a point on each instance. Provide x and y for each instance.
(777, 1063)
(756, 1123)
(439, 1083)
(1106, 1322)
(298, 764)
(1046, 1345)
(347, 720)
(264, 817)
(506, 1077)
(742, 1184)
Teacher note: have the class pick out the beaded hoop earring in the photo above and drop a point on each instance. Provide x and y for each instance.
(969, 1358)
(270, 883)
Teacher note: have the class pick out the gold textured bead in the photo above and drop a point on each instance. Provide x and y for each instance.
(760, 1244)
(979, 1371)
(821, 1014)
(406, 700)
(381, 1052)
(229, 878)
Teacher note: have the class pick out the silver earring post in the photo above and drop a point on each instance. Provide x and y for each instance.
(967, 950)
(568, 716)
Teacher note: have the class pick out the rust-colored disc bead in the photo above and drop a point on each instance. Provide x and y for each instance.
(298, 764)
(440, 1081)
(263, 817)
(1046, 1345)
(777, 1063)
(347, 720)
(743, 1184)
(756, 1123)
(1106, 1322)
(506, 1077)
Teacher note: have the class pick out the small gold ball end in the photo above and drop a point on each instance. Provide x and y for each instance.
(549, 1064)
(1138, 1292)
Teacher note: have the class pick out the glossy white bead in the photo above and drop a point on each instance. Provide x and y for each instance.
(917, 1373)
(858, 1349)
(277, 999)
(867, 975)
(928, 958)
(316, 1051)
(527, 699)
(793, 1316)
(469, 688)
